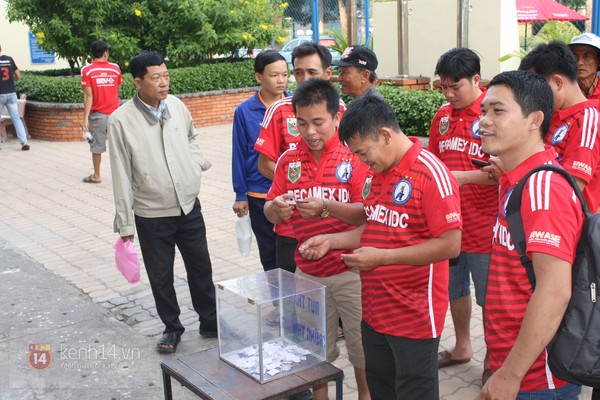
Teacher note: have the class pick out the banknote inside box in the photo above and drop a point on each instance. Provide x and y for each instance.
(271, 324)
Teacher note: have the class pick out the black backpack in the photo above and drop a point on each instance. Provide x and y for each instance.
(574, 353)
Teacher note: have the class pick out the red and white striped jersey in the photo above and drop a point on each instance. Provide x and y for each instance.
(413, 202)
(339, 176)
(454, 138)
(552, 222)
(574, 135)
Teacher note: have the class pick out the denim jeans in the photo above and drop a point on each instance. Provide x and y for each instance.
(10, 101)
(567, 392)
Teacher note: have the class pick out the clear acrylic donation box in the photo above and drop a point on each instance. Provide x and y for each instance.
(271, 324)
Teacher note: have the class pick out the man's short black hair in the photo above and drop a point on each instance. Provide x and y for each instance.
(98, 48)
(317, 91)
(365, 116)
(554, 58)
(265, 58)
(458, 63)
(310, 48)
(531, 91)
(138, 65)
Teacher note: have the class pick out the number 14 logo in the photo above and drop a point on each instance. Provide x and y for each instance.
(39, 356)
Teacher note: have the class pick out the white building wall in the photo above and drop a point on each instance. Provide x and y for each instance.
(14, 39)
(432, 30)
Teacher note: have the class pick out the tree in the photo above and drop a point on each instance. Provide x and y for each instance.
(67, 27)
(186, 31)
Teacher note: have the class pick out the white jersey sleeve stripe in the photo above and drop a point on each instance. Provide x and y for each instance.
(440, 174)
(590, 128)
(539, 190)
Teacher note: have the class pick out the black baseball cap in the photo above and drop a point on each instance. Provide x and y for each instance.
(358, 56)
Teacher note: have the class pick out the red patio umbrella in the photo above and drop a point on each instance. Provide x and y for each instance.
(544, 10)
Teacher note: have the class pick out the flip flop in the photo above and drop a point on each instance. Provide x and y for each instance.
(88, 179)
(168, 343)
(445, 359)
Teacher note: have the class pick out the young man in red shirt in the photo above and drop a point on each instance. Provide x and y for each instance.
(413, 226)
(101, 82)
(519, 322)
(454, 138)
(317, 187)
(280, 133)
(576, 120)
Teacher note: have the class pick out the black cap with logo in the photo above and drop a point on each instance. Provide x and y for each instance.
(358, 56)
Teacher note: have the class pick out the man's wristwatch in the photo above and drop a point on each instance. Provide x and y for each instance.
(325, 212)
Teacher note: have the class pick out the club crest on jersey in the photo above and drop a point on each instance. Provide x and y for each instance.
(343, 172)
(560, 134)
(475, 130)
(294, 171)
(402, 192)
(366, 190)
(444, 124)
(292, 127)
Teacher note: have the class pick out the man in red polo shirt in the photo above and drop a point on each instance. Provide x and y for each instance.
(454, 138)
(575, 123)
(317, 188)
(279, 133)
(101, 82)
(519, 322)
(413, 227)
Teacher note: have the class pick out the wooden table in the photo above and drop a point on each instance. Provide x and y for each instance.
(205, 374)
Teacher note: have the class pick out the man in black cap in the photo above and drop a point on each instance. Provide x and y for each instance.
(357, 71)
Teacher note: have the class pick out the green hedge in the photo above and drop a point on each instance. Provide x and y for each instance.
(414, 108)
(183, 80)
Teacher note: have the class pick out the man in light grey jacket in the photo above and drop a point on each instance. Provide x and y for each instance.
(156, 166)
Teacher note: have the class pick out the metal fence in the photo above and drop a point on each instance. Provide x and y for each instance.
(317, 18)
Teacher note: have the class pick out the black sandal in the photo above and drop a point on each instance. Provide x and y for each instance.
(168, 343)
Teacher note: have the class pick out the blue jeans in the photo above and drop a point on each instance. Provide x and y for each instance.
(263, 231)
(567, 392)
(476, 265)
(10, 101)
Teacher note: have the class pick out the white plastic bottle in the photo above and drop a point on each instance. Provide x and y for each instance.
(243, 231)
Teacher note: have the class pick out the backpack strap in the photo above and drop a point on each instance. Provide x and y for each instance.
(515, 222)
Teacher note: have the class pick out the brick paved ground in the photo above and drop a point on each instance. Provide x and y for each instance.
(65, 225)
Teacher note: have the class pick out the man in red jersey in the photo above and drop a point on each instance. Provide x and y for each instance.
(101, 82)
(413, 227)
(575, 123)
(519, 322)
(317, 187)
(279, 133)
(454, 138)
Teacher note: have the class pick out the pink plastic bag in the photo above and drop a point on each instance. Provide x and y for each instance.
(127, 260)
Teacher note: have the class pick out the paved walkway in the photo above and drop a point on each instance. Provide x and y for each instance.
(65, 225)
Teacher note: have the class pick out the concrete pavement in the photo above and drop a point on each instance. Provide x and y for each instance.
(59, 285)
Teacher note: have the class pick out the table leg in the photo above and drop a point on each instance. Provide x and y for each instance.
(339, 392)
(167, 385)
